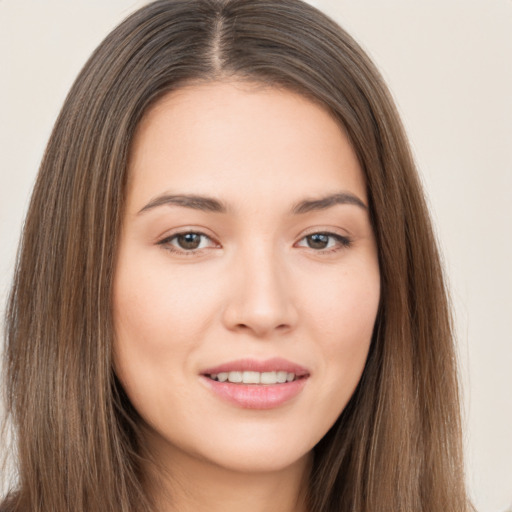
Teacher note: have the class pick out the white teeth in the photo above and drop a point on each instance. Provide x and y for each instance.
(250, 377)
(269, 378)
(235, 377)
(281, 377)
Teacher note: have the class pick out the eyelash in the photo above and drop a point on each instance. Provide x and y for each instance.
(167, 243)
(341, 242)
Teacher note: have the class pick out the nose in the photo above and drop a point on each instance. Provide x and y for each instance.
(260, 298)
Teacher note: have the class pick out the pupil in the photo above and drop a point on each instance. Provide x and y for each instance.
(318, 241)
(189, 241)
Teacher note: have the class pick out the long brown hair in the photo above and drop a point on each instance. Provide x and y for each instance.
(396, 446)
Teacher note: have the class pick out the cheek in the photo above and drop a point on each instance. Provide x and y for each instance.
(159, 318)
(341, 312)
(343, 306)
(159, 301)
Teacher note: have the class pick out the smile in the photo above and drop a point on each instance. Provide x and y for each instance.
(252, 377)
(256, 384)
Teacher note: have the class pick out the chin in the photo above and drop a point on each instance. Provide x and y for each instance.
(261, 460)
(253, 450)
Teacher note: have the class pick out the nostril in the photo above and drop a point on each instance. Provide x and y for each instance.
(259, 308)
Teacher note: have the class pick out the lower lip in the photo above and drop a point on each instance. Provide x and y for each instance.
(257, 396)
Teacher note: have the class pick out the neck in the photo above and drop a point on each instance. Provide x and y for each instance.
(195, 485)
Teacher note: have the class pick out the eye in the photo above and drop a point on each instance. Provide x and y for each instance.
(324, 242)
(187, 242)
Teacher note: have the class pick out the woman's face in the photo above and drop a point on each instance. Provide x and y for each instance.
(247, 255)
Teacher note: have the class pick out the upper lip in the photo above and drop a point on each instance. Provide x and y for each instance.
(268, 365)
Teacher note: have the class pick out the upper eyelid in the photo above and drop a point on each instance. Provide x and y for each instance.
(325, 233)
(343, 239)
(331, 232)
(327, 230)
(191, 231)
(172, 233)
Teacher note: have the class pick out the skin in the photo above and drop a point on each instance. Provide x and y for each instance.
(256, 286)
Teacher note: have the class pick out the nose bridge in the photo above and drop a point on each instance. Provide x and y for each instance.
(260, 301)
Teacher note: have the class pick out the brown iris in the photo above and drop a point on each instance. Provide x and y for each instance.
(318, 241)
(189, 241)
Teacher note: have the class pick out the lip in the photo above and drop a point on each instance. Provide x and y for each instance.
(268, 365)
(257, 396)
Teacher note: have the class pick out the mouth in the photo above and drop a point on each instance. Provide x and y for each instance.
(253, 371)
(253, 384)
(255, 378)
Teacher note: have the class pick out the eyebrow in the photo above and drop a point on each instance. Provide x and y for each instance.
(209, 204)
(323, 203)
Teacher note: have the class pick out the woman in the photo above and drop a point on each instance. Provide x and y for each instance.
(228, 292)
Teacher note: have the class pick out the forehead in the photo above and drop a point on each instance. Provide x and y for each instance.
(228, 137)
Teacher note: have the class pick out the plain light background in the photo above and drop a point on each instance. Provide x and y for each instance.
(448, 64)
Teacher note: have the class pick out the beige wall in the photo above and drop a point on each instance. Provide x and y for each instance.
(448, 63)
